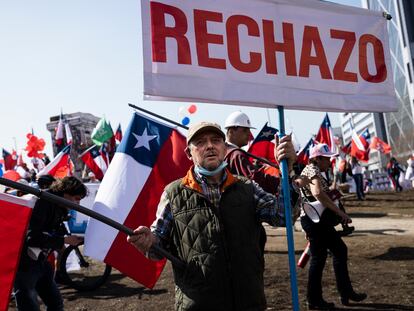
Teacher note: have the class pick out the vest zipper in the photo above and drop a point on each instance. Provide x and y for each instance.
(226, 251)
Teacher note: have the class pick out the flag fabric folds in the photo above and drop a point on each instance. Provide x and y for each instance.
(60, 166)
(93, 158)
(68, 133)
(360, 145)
(347, 148)
(59, 136)
(325, 134)
(10, 160)
(303, 154)
(263, 145)
(380, 145)
(118, 134)
(102, 132)
(150, 156)
(14, 218)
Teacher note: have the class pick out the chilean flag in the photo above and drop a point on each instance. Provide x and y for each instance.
(10, 160)
(381, 146)
(118, 134)
(60, 163)
(150, 156)
(360, 145)
(68, 133)
(59, 136)
(263, 145)
(347, 148)
(303, 154)
(325, 134)
(14, 218)
(95, 161)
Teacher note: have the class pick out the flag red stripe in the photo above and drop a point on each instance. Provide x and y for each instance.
(89, 161)
(14, 220)
(62, 162)
(144, 210)
(264, 149)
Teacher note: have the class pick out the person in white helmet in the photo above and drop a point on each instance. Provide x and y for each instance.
(238, 132)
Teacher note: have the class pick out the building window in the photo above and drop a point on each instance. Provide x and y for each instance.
(409, 73)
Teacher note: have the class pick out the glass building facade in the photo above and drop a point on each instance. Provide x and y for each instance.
(399, 125)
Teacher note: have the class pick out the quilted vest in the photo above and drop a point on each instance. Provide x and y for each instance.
(220, 247)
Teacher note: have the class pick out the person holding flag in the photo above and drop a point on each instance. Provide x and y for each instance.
(196, 222)
(45, 233)
(238, 128)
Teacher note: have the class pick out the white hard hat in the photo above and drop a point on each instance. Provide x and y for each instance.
(238, 118)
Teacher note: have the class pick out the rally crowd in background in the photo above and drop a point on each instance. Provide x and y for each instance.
(317, 169)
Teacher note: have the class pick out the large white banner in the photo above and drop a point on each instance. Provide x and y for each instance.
(301, 54)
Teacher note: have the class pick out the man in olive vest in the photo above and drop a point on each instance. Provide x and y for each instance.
(211, 220)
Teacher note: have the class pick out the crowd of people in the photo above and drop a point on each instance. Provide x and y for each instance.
(211, 219)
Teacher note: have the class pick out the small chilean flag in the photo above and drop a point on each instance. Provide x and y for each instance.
(118, 134)
(263, 145)
(10, 160)
(381, 146)
(325, 134)
(95, 161)
(14, 218)
(360, 145)
(59, 162)
(150, 156)
(303, 154)
(59, 136)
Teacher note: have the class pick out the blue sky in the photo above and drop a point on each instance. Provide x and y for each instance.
(85, 56)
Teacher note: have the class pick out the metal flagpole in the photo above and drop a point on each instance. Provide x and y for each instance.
(79, 208)
(288, 217)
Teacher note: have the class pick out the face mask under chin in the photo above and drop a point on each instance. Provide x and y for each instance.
(205, 172)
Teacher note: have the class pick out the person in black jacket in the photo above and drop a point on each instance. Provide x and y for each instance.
(46, 233)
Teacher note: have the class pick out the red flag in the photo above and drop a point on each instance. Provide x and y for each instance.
(14, 218)
(325, 134)
(10, 159)
(303, 154)
(60, 166)
(68, 133)
(59, 136)
(118, 134)
(150, 156)
(263, 145)
(381, 146)
(94, 160)
(360, 145)
(347, 148)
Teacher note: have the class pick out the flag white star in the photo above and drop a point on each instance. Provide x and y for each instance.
(144, 139)
(267, 134)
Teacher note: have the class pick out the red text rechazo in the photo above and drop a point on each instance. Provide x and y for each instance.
(264, 30)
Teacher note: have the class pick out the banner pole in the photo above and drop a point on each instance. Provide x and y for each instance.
(79, 208)
(288, 217)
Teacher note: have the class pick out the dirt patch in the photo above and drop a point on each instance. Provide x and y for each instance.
(381, 263)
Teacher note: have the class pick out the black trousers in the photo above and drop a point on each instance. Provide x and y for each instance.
(323, 238)
(359, 185)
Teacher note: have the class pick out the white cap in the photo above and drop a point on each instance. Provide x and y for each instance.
(321, 150)
(238, 118)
